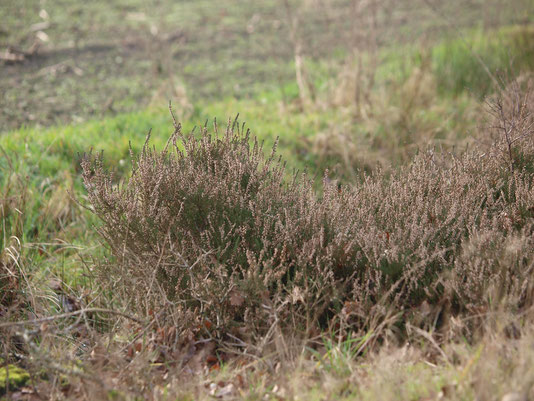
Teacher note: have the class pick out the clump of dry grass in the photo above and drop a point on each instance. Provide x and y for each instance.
(398, 119)
(385, 117)
(13, 200)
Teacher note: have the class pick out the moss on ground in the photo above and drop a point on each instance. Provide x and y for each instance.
(18, 378)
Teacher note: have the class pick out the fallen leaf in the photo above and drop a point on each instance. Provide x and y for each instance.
(211, 359)
(215, 366)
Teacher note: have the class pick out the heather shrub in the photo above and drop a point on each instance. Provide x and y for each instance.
(209, 226)
(511, 113)
(494, 269)
(208, 230)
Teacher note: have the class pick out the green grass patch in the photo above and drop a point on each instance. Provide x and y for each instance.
(462, 64)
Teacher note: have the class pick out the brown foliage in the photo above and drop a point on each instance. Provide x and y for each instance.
(208, 229)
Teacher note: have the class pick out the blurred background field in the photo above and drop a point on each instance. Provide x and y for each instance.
(352, 86)
(81, 61)
(376, 78)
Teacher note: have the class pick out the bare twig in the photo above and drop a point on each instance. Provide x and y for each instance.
(69, 314)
